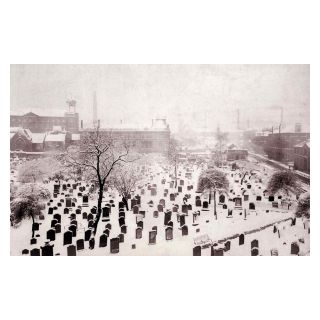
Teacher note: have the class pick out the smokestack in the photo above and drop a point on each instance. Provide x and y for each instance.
(81, 124)
(99, 124)
(297, 128)
(95, 122)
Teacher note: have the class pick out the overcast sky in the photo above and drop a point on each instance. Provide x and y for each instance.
(190, 96)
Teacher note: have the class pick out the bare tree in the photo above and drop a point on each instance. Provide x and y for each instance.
(214, 181)
(283, 181)
(221, 138)
(99, 154)
(125, 179)
(26, 203)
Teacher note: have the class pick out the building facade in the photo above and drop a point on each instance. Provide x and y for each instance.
(280, 146)
(38, 124)
(302, 157)
(142, 140)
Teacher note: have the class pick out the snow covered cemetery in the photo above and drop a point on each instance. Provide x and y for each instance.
(202, 211)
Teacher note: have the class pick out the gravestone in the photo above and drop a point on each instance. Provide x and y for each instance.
(167, 217)
(50, 210)
(140, 224)
(85, 201)
(67, 238)
(198, 203)
(184, 230)
(169, 233)
(106, 232)
(66, 210)
(121, 221)
(254, 252)
(227, 245)
(152, 237)
(197, 251)
(182, 220)
(114, 245)
(189, 206)
(121, 237)
(238, 202)
(274, 252)
(275, 204)
(71, 250)
(241, 239)
(80, 244)
(258, 198)
(172, 196)
(136, 209)
(87, 235)
(68, 203)
(179, 189)
(92, 243)
(35, 252)
(47, 250)
(156, 214)
(73, 229)
(295, 248)
(103, 241)
(184, 208)
(33, 241)
(160, 208)
(153, 191)
(252, 206)
(229, 213)
(35, 226)
(271, 198)
(254, 244)
(74, 222)
(221, 198)
(138, 233)
(217, 251)
(57, 216)
(205, 205)
(57, 227)
(84, 215)
(51, 235)
(123, 229)
(25, 252)
(162, 202)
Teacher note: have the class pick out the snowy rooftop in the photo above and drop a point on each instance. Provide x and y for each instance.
(55, 137)
(38, 137)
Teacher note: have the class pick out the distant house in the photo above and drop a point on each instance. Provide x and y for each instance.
(57, 139)
(237, 154)
(302, 156)
(20, 139)
(38, 142)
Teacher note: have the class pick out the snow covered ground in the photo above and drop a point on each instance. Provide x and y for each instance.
(217, 229)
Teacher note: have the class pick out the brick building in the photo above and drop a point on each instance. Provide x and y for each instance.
(39, 124)
(302, 156)
(280, 146)
(154, 139)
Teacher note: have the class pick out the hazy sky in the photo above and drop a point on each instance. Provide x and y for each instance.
(189, 96)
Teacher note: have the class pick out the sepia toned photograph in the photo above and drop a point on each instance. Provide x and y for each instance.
(160, 160)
